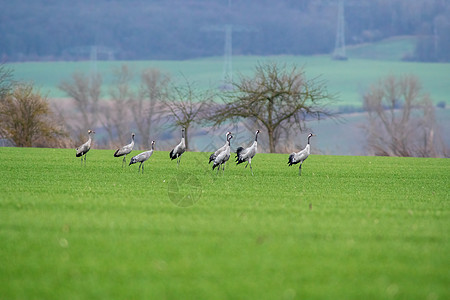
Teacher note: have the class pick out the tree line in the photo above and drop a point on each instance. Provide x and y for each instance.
(277, 99)
(175, 29)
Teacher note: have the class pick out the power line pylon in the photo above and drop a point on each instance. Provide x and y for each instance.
(339, 48)
(227, 76)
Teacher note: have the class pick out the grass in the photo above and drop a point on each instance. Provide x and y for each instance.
(349, 228)
(393, 49)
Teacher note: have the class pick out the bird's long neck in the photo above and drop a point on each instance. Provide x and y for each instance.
(153, 146)
(308, 139)
(182, 137)
(132, 140)
(256, 138)
(307, 149)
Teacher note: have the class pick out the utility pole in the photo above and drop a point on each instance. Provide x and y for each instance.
(227, 76)
(93, 58)
(228, 28)
(339, 48)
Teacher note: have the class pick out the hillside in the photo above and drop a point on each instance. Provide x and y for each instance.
(42, 30)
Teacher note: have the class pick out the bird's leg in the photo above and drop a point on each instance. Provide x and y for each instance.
(300, 170)
(250, 162)
(124, 160)
(246, 165)
(139, 170)
(142, 168)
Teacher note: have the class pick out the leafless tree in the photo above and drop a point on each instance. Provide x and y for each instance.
(6, 80)
(27, 120)
(188, 105)
(115, 116)
(85, 90)
(147, 106)
(401, 120)
(277, 97)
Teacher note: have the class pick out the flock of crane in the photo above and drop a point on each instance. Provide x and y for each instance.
(219, 157)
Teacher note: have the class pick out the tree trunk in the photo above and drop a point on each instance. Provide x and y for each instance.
(270, 132)
(186, 137)
(270, 129)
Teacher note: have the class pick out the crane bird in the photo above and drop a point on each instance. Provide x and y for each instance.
(247, 153)
(300, 157)
(84, 149)
(223, 156)
(125, 150)
(221, 149)
(179, 149)
(142, 157)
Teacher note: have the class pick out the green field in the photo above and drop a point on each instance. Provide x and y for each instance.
(347, 79)
(348, 228)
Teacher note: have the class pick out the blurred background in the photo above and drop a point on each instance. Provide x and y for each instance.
(349, 44)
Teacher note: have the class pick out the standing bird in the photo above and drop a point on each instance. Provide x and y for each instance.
(83, 149)
(300, 157)
(221, 149)
(142, 158)
(223, 156)
(247, 153)
(125, 150)
(179, 149)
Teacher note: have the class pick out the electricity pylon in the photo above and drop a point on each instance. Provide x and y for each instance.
(339, 48)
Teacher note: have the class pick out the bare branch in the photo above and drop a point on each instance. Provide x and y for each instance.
(187, 106)
(27, 120)
(277, 97)
(401, 120)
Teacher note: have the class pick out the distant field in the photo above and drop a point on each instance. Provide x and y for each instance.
(348, 79)
(349, 228)
(392, 49)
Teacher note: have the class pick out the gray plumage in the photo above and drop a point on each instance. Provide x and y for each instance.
(221, 149)
(84, 149)
(179, 149)
(223, 156)
(142, 158)
(301, 156)
(125, 150)
(246, 154)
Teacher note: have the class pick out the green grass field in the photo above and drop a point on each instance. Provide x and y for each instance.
(348, 228)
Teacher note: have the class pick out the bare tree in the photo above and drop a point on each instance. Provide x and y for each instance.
(85, 92)
(147, 106)
(401, 119)
(115, 116)
(188, 105)
(6, 81)
(277, 98)
(27, 120)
